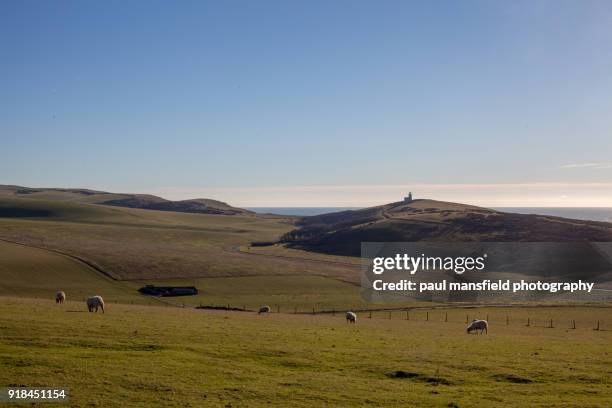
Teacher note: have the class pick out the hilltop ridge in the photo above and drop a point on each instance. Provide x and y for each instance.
(142, 201)
(341, 233)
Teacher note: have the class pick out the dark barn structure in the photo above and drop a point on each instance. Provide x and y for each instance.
(153, 290)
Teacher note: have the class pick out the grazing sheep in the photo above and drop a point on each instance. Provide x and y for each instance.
(351, 317)
(60, 297)
(95, 302)
(476, 325)
(264, 309)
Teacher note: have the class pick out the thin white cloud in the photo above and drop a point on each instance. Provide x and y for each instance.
(587, 165)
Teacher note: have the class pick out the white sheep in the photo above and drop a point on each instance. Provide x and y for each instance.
(264, 309)
(481, 325)
(351, 317)
(60, 297)
(95, 302)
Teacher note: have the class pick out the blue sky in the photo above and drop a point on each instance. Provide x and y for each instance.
(276, 103)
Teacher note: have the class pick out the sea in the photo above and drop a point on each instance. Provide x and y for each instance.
(299, 211)
(579, 213)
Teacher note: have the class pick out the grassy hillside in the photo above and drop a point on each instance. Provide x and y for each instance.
(32, 272)
(26, 208)
(162, 248)
(151, 356)
(143, 201)
(428, 220)
(148, 246)
(38, 273)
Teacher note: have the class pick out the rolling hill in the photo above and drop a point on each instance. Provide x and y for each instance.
(205, 249)
(341, 233)
(142, 201)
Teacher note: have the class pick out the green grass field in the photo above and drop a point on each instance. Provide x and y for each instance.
(163, 356)
(285, 292)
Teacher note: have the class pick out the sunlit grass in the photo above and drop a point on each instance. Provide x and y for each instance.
(151, 356)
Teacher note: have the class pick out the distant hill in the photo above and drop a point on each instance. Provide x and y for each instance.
(341, 233)
(199, 205)
(143, 201)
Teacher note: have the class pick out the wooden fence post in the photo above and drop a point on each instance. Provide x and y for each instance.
(528, 322)
(573, 324)
(446, 317)
(507, 320)
(597, 325)
(370, 316)
(467, 318)
(407, 315)
(389, 315)
(426, 316)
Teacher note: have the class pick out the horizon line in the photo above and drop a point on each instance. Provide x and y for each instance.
(489, 195)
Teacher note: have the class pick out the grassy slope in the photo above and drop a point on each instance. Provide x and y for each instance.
(151, 356)
(32, 272)
(145, 244)
(147, 201)
(37, 273)
(140, 245)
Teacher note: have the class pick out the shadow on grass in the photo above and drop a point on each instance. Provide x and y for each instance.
(434, 380)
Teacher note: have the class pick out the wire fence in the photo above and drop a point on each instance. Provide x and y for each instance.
(519, 315)
(508, 319)
(525, 316)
